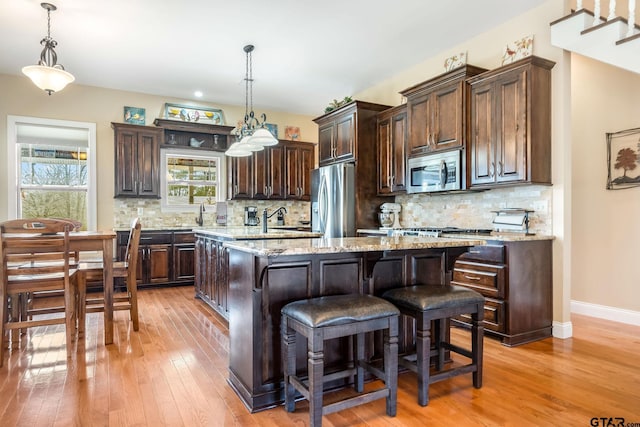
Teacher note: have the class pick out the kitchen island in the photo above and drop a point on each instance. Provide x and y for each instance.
(264, 275)
(211, 260)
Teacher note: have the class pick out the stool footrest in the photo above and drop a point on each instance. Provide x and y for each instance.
(355, 400)
(458, 349)
(452, 373)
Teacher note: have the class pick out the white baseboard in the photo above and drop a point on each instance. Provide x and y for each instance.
(605, 312)
(562, 330)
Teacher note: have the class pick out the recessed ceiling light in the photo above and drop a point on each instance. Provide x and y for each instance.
(198, 94)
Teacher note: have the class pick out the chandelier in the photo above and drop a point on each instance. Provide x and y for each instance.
(251, 134)
(48, 75)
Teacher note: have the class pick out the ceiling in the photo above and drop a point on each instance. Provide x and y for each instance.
(306, 52)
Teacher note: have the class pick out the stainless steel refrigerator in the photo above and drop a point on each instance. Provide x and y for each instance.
(333, 200)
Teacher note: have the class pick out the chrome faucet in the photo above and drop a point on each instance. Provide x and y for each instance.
(199, 219)
(265, 216)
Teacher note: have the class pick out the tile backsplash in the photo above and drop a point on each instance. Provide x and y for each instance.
(467, 210)
(153, 216)
(475, 209)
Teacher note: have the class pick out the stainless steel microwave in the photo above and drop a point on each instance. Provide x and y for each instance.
(434, 172)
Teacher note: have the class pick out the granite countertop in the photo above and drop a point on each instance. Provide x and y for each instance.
(345, 244)
(253, 233)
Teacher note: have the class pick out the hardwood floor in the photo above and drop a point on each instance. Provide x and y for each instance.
(173, 372)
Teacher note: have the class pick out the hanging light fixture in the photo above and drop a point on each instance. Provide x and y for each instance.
(251, 134)
(48, 75)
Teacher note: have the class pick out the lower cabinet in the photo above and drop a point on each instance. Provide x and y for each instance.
(516, 281)
(165, 257)
(211, 281)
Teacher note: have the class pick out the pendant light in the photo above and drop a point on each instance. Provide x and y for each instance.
(252, 134)
(48, 75)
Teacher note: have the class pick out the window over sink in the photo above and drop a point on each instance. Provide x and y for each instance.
(190, 179)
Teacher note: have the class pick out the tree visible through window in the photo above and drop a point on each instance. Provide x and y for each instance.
(53, 182)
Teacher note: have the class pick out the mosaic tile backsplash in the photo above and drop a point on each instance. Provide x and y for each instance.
(466, 210)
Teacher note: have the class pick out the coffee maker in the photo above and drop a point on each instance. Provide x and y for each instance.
(251, 215)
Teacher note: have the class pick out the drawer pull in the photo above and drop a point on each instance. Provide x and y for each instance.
(471, 277)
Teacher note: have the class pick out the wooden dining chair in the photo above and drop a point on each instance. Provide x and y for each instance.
(127, 269)
(35, 258)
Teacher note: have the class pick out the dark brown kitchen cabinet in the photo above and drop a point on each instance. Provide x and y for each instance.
(165, 257)
(240, 180)
(516, 281)
(510, 125)
(437, 111)
(137, 160)
(392, 137)
(183, 256)
(179, 134)
(268, 173)
(343, 131)
(278, 172)
(363, 117)
(299, 158)
(211, 281)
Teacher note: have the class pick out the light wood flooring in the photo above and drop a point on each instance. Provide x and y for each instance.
(173, 372)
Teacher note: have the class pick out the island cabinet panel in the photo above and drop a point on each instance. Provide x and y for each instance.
(516, 280)
(211, 281)
(259, 286)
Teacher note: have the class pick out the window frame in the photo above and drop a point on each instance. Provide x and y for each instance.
(13, 157)
(221, 189)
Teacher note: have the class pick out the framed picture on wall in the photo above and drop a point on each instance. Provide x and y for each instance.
(192, 113)
(134, 115)
(623, 159)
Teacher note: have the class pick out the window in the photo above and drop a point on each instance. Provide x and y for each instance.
(191, 179)
(54, 169)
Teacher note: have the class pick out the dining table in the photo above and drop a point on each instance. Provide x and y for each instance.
(90, 241)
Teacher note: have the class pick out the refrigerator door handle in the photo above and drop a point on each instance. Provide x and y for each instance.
(323, 204)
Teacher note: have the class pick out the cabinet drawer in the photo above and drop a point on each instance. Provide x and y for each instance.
(494, 315)
(184, 237)
(155, 238)
(485, 253)
(487, 279)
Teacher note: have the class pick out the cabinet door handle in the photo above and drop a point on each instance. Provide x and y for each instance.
(491, 170)
(500, 168)
(471, 278)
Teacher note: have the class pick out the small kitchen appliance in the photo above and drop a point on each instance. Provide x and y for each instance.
(251, 215)
(434, 172)
(389, 216)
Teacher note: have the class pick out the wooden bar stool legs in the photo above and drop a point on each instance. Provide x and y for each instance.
(324, 318)
(427, 303)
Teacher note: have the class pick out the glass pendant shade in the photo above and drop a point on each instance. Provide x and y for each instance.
(48, 75)
(235, 150)
(247, 143)
(49, 79)
(263, 137)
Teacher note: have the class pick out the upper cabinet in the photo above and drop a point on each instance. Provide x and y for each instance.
(278, 172)
(437, 110)
(300, 160)
(342, 132)
(199, 136)
(137, 160)
(392, 138)
(510, 125)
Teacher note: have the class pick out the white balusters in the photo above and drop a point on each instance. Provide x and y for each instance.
(612, 10)
(632, 18)
(596, 13)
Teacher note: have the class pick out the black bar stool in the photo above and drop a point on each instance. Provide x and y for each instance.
(324, 318)
(439, 303)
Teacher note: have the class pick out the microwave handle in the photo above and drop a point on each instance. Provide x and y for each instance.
(443, 173)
